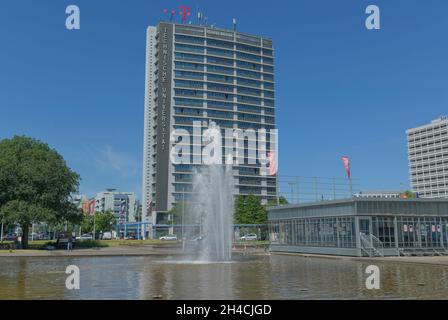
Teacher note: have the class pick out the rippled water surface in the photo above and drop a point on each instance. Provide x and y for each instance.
(250, 277)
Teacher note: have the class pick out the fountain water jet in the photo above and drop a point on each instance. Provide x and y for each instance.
(212, 207)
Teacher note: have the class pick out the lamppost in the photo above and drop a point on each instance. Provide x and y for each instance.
(200, 226)
(291, 184)
(298, 189)
(277, 190)
(94, 225)
(183, 213)
(334, 188)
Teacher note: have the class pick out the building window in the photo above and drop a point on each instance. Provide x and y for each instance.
(249, 74)
(189, 48)
(220, 52)
(219, 43)
(188, 74)
(247, 56)
(243, 47)
(248, 65)
(215, 60)
(189, 66)
(182, 38)
(219, 69)
(189, 57)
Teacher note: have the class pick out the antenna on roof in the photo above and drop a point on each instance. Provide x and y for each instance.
(234, 24)
(199, 14)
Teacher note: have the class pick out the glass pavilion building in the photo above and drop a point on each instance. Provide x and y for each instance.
(361, 227)
(198, 74)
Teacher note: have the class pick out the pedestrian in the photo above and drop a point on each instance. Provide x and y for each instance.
(19, 242)
(70, 244)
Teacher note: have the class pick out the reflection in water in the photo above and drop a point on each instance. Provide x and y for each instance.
(249, 277)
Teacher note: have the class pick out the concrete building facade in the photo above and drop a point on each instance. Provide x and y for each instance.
(123, 204)
(428, 159)
(198, 74)
(361, 227)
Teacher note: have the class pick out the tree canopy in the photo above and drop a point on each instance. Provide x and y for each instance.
(104, 221)
(249, 210)
(281, 200)
(408, 194)
(35, 184)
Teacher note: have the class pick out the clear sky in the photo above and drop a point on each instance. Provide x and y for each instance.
(341, 89)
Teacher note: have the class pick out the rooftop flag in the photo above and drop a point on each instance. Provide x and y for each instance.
(185, 12)
(346, 161)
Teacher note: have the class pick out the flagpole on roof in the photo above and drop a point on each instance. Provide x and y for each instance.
(94, 225)
(351, 187)
(346, 161)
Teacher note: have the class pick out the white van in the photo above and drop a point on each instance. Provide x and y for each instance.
(107, 236)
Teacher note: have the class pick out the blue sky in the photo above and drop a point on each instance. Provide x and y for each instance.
(341, 89)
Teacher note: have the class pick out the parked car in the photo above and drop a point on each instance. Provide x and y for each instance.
(86, 236)
(250, 237)
(63, 239)
(46, 237)
(196, 242)
(10, 237)
(170, 237)
(35, 236)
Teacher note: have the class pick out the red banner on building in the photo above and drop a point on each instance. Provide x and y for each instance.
(272, 163)
(92, 207)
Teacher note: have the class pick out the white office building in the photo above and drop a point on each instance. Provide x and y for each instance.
(123, 204)
(428, 159)
(199, 74)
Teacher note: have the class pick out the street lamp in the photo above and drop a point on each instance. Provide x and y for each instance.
(94, 225)
(291, 184)
(200, 226)
(183, 211)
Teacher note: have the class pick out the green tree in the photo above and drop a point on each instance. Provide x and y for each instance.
(176, 213)
(87, 224)
(282, 201)
(35, 185)
(105, 221)
(3, 225)
(249, 210)
(409, 194)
